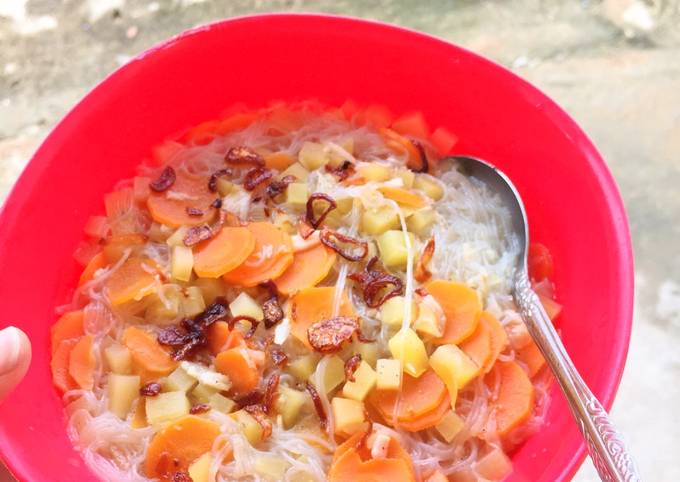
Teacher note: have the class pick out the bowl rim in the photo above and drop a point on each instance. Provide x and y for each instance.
(601, 172)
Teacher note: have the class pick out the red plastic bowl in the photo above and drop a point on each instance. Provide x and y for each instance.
(572, 201)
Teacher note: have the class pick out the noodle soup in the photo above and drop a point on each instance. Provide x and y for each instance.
(303, 294)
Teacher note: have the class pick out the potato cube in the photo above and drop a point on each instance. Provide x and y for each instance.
(407, 347)
(289, 404)
(389, 374)
(211, 288)
(313, 155)
(368, 352)
(429, 185)
(167, 310)
(334, 374)
(118, 358)
(166, 407)
(392, 311)
(407, 176)
(375, 172)
(364, 382)
(221, 403)
(378, 220)
(349, 415)
(449, 426)
(392, 247)
(429, 323)
(123, 390)
(202, 393)
(421, 221)
(182, 263)
(271, 467)
(177, 238)
(199, 470)
(244, 305)
(303, 367)
(454, 367)
(178, 381)
(296, 170)
(297, 194)
(249, 426)
(192, 303)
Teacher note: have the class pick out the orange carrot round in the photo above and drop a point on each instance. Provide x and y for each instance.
(478, 345)
(224, 252)
(82, 362)
(149, 358)
(498, 338)
(461, 306)
(237, 364)
(170, 207)
(515, 398)
(61, 377)
(221, 338)
(310, 305)
(309, 268)
(96, 263)
(68, 327)
(532, 357)
(131, 281)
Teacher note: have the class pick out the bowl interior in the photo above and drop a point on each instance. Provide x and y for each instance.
(572, 202)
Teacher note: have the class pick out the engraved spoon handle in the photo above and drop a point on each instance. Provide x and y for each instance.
(605, 445)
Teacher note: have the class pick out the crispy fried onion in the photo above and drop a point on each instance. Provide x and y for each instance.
(327, 336)
(315, 198)
(258, 413)
(191, 334)
(279, 357)
(271, 308)
(318, 405)
(253, 324)
(278, 186)
(255, 177)
(194, 211)
(343, 171)
(376, 283)
(351, 249)
(305, 230)
(351, 366)
(164, 181)
(205, 231)
(212, 182)
(270, 393)
(243, 155)
(422, 274)
(150, 389)
(423, 164)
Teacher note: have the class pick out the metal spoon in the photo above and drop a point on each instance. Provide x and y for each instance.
(605, 446)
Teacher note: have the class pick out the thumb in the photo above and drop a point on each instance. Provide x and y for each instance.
(15, 357)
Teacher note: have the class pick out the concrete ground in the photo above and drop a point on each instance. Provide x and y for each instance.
(613, 64)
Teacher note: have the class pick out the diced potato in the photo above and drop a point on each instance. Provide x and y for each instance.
(167, 310)
(123, 390)
(335, 159)
(375, 172)
(249, 426)
(182, 263)
(392, 311)
(334, 374)
(271, 467)
(454, 367)
(296, 170)
(289, 404)
(303, 367)
(211, 288)
(224, 186)
(178, 381)
(118, 359)
(428, 323)
(177, 238)
(431, 187)
(297, 194)
(166, 407)
(388, 374)
(202, 393)
(199, 470)
(313, 155)
(407, 176)
(421, 221)
(364, 382)
(368, 352)
(392, 247)
(192, 303)
(449, 426)
(221, 403)
(378, 220)
(349, 415)
(407, 347)
(244, 305)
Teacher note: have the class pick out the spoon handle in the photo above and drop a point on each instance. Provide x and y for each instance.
(605, 445)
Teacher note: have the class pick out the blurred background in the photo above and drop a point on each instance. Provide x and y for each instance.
(614, 65)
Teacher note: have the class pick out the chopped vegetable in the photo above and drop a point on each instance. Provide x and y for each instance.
(244, 305)
(349, 416)
(149, 358)
(82, 363)
(404, 197)
(166, 407)
(388, 374)
(515, 397)
(450, 425)
(59, 364)
(393, 250)
(132, 281)
(199, 470)
(118, 359)
(69, 326)
(461, 307)
(532, 357)
(170, 206)
(498, 338)
(540, 262)
(478, 345)
(182, 263)
(454, 367)
(123, 390)
(225, 252)
(239, 366)
(408, 348)
(308, 269)
(364, 381)
(310, 305)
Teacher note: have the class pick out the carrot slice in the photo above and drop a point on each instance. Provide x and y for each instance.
(130, 282)
(68, 327)
(402, 196)
(116, 246)
(461, 306)
(401, 145)
(238, 365)
(278, 160)
(498, 338)
(202, 134)
(443, 140)
(224, 252)
(272, 255)
(236, 122)
(515, 398)
(221, 338)
(478, 345)
(82, 362)
(170, 207)
(532, 357)
(61, 377)
(309, 268)
(176, 446)
(96, 263)
(310, 305)
(412, 124)
(149, 358)
(430, 419)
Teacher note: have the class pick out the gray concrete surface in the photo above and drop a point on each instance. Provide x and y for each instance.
(613, 64)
